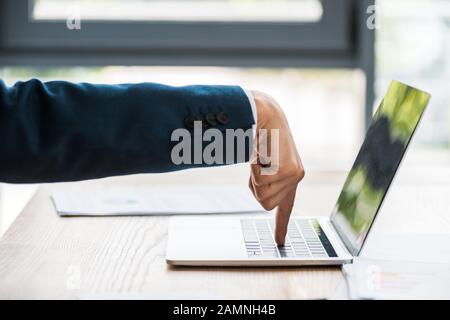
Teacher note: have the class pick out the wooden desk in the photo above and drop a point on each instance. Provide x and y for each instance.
(44, 256)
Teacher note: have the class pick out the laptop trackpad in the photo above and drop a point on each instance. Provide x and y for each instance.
(201, 242)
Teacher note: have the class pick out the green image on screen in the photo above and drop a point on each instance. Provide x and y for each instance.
(386, 141)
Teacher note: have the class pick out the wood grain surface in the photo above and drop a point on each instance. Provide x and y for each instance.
(43, 256)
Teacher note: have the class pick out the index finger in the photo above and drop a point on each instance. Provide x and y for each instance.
(282, 216)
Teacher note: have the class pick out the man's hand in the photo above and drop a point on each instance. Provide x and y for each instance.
(275, 173)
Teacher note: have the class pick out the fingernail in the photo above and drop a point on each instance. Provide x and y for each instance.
(279, 241)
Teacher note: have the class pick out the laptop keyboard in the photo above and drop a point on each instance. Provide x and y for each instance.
(305, 239)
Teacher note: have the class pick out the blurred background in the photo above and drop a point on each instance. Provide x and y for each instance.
(326, 62)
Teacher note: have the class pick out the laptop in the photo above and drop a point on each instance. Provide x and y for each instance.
(333, 240)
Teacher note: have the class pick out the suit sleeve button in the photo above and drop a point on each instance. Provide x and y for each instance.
(202, 120)
(189, 122)
(222, 117)
(211, 119)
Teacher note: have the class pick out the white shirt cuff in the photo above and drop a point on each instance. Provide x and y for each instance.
(251, 99)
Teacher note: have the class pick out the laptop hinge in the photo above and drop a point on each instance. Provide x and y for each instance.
(337, 237)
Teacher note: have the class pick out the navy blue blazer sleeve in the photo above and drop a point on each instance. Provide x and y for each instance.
(62, 131)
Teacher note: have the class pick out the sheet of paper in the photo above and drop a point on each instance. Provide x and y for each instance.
(378, 279)
(402, 253)
(153, 201)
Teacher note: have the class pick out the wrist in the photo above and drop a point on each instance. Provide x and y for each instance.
(266, 108)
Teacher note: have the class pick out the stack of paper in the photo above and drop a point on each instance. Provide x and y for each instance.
(153, 201)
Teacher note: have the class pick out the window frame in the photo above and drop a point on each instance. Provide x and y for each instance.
(340, 39)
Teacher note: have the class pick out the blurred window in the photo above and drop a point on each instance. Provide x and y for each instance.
(413, 45)
(314, 56)
(213, 32)
(182, 10)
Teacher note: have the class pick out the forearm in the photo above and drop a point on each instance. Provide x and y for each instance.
(60, 131)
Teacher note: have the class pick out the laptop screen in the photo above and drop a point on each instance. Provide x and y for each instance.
(386, 141)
